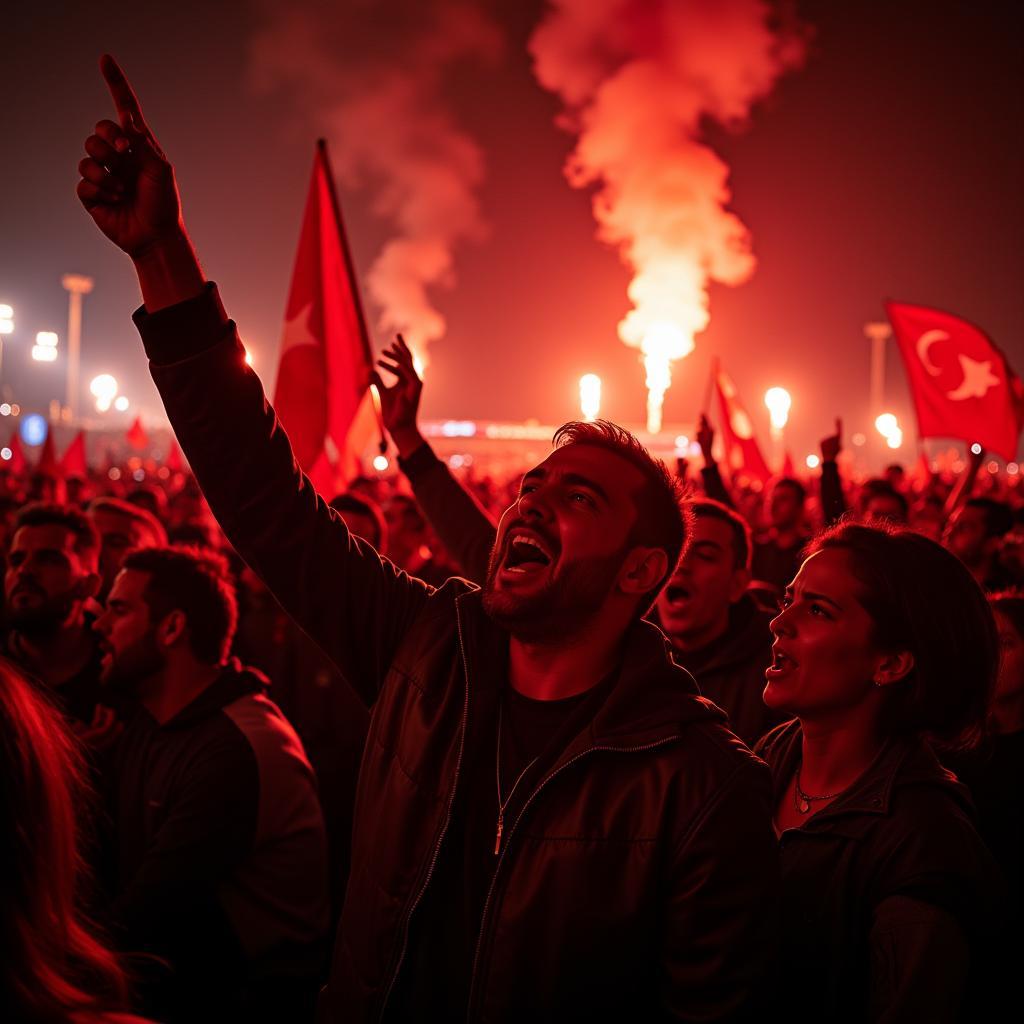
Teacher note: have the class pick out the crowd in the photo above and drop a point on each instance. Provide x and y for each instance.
(601, 741)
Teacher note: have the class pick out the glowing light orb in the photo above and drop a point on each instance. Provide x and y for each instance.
(5, 409)
(975, 448)
(858, 440)
(45, 348)
(895, 439)
(590, 396)
(6, 454)
(813, 462)
(248, 358)
(33, 429)
(778, 402)
(887, 424)
(6, 319)
(103, 387)
(121, 403)
(380, 463)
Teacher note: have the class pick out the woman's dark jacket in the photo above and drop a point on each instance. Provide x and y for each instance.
(638, 880)
(887, 893)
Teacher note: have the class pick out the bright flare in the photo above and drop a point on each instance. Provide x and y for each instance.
(6, 319)
(380, 463)
(103, 388)
(661, 342)
(887, 424)
(121, 403)
(590, 396)
(813, 462)
(895, 439)
(778, 402)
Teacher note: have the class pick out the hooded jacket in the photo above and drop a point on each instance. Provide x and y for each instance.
(887, 893)
(637, 880)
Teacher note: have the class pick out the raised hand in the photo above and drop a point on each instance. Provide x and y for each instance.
(127, 183)
(705, 438)
(832, 445)
(400, 403)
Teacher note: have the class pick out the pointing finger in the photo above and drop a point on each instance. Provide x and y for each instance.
(125, 100)
(839, 427)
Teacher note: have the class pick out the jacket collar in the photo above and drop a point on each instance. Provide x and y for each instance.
(234, 681)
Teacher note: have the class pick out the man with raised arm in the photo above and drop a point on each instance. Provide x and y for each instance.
(549, 822)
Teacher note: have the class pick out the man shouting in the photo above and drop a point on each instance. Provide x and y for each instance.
(549, 822)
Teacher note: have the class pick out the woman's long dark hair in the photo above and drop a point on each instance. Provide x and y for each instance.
(53, 964)
(921, 598)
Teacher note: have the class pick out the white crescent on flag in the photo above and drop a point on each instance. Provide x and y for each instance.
(296, 330)
(924, 343)
(978, 380)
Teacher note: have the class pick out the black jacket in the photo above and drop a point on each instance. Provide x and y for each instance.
(887, 893)
(639, 878)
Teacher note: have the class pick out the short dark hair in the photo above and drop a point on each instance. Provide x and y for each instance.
(794, 485)
(363, 506)
(921, 598)
(131, 510)
(660, 519)
(196, 583)
(881, 488)
(708, 508)
(44, 513)
(998, 515)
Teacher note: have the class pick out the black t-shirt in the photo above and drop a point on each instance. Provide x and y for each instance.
(435, 978)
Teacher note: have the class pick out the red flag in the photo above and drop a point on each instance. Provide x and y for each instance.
(17, 463)
(742, 452)
(73, 462)
(136, 435)
(324, 372)
(47, 463)
(788, 469)
(962, 385)
(174, 462)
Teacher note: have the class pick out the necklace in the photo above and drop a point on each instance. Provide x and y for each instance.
(802, 801)
(502, 804)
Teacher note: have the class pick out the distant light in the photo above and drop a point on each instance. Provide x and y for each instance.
(163, 472)
(456, 461)
(248, 358)
(895, 439)
(114, 473)
(993, 466)
(590, 396)
(103, 387)
(121, 403)
(1012, 468)
(6, 454)
(975, 448)
(44, 353)
(5, 409)
(102, 404)
(139, 475)
(682, 444)
(15, 409)
(887, 424)
(778, 402)
(813, 462)
(458, 428)
(33, 429)
(859, 440)
(46, 339)
(380, 463)
(6, 312)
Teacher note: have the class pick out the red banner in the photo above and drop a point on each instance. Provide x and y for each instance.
(741, 450)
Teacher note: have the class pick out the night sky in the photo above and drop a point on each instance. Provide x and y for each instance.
(890, 165)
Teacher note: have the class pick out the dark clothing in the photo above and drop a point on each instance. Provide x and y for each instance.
(220, 855)
(833, 502)
(637, 879)
(887, 893)
(772, 563)
(714, 485)
(730, 670)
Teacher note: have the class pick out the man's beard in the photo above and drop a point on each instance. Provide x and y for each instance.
(44, 620)
(129, 668)
(574, 593)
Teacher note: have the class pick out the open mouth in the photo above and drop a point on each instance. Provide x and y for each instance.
(526, 554)
(781, 662)
(676, 595)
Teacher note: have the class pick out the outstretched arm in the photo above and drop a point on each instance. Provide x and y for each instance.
(356, 606)
(714, 485)
(833, 504)
(464, 527)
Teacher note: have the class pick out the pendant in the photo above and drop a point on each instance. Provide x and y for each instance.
(497, 837)
(804, 805)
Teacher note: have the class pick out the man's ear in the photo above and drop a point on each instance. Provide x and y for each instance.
(893, 667)
(643, 570)
(738, 584)
(171, 628)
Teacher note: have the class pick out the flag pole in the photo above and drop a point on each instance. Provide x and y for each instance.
(321, 145)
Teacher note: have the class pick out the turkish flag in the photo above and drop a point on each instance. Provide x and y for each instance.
(962, 385)
(136, 435)
(323, 376)
(47, 464)
(174, 461)
(741, 450)
(72, 462)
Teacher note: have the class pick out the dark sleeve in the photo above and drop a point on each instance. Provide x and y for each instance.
(723, 906)
(919, 963)
(355, 605)
(833, 503)
(206, 832)
(714, 485)
(464, 527)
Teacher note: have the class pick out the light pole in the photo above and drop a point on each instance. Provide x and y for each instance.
(6, 327)
(878, 334)
(76, 285)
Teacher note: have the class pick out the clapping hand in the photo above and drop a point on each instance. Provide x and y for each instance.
(400, 403)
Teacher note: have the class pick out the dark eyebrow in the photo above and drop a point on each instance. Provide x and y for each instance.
(810, 595)
(708, 544)
(581, 481)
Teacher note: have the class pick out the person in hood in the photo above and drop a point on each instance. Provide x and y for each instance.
(218, 851)
(550, 823)
(884, 649)
(717, 631)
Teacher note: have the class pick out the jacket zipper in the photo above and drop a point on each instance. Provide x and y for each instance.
(444, 829)
(512, 831)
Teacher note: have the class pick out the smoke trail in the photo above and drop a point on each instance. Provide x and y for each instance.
(375, 74)
(637, 78)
